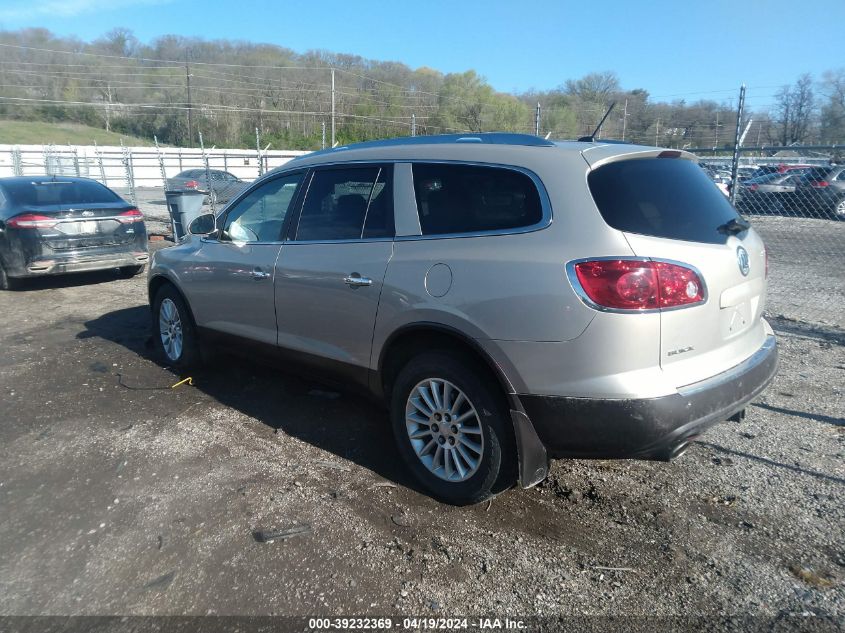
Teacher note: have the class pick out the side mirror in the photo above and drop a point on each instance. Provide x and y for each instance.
(203, 224)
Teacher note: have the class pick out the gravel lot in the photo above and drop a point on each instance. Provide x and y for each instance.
(120, 495)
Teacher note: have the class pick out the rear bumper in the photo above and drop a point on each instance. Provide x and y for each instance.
(648, 428)
(80, 263)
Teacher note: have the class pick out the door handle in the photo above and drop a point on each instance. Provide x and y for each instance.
(258, 274)
(354, 280)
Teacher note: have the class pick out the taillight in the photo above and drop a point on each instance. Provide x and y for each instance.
(31, 221)
(819, 183)
(130, 216)
(192, 184)
(766, 256)
(753, 187)
(638, 284)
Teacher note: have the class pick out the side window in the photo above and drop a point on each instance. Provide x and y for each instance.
(470, 198)
(348, 203)
(260, 215)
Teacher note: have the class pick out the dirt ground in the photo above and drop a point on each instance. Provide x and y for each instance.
(120, 495)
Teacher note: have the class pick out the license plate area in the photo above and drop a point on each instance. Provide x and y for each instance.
(735, 319)
(84, 227)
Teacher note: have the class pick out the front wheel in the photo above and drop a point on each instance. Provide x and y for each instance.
(173, 329)
(452, 428)
(839, 210)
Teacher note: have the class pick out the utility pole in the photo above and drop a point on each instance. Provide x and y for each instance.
(108, 107)
(333, 113)
(537, 120)
(737, 141)
(624, 119)
(258, 153)
(413, 124)
(190, 106)
(323, 139)
(717, 130)
(657, 132)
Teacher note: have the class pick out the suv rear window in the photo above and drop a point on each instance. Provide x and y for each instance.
(661, 197)
(471, 199)
(50, 192)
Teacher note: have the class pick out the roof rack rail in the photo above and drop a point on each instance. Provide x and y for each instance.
(490, 138)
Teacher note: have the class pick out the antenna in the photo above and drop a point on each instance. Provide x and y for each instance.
(592, 137)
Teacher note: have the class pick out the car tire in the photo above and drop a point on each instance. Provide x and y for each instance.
(128, 272)
(839, 210)
(6, 282)
(174, 332)
(478, 438)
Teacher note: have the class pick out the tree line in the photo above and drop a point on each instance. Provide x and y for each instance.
(175, 88)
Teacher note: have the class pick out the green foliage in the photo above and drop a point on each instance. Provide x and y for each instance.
(237, 87)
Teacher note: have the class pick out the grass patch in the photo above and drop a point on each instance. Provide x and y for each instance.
(43, 133)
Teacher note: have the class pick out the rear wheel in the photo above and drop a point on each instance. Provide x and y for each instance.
(839, 210)
(173, 329)
(6, 282)
(452, 428)
(131, 271)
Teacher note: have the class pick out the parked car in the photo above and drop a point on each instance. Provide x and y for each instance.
(509, 299)
(770, 193)
(222, 184)
(53, 225)
(821, 192)
(782, 168)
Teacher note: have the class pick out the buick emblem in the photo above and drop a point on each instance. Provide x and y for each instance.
(742, 260)
(87, 214)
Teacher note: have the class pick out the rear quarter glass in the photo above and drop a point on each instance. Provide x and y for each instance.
(661, 197)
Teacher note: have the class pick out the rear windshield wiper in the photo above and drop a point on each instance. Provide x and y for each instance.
(733, 226)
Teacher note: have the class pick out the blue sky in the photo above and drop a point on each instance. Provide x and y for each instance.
(673, 49)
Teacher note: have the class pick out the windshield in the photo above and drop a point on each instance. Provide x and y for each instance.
(51, 192)
(661, 197)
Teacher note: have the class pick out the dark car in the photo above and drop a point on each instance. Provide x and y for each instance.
(770, 193)
(821, 192)
(221, 184)
(54, 225)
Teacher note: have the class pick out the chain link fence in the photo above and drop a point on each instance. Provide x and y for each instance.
(796, 200)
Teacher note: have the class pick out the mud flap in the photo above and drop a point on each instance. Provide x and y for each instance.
(533, 459)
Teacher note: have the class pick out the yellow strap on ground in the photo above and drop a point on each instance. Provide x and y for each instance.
(188, 380)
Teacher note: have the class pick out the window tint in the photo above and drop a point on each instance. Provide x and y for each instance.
(469, 198)
(260, 215)
(59, 192)
(339, 201)
(662, 197)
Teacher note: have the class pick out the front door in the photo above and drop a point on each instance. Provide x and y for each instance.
(230, 278)
(329, 274)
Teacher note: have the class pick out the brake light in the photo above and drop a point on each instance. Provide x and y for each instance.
(31, 221)
(753, 187)
(633, 284)
(192, 184)
(130, 216)
(819, 183)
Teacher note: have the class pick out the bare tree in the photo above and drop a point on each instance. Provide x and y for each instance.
(794, 109)
(833, 112)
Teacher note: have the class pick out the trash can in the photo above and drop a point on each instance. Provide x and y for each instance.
(184, 206)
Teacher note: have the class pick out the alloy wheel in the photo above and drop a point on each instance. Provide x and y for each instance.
(444, 429)
(170, 329)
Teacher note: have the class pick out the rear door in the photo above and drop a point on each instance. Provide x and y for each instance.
(330, 273)
(669, 210)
